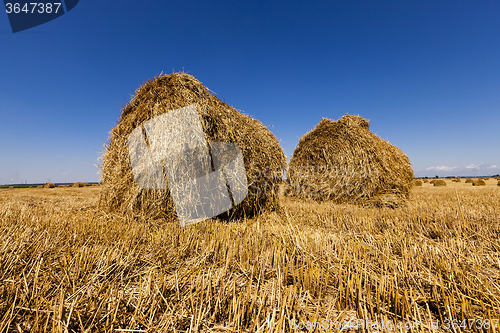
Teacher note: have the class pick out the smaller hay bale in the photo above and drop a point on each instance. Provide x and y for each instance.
(49, 185)
(498, 183)
(439, 182)
(417, 182)
(433, 181)
(78, 184)
(39, 186)
(479, 182)
(426, 180)
(486, 178)
(457, 180)
(469, 181)
(11, 187)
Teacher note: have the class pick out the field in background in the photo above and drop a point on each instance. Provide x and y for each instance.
(65, 266)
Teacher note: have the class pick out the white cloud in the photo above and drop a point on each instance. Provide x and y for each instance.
(474, 166)
(493, 167)
(442, 168)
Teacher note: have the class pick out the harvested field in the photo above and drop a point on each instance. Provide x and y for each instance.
(68, 266)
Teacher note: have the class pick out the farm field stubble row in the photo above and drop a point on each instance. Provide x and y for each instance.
(66, 266)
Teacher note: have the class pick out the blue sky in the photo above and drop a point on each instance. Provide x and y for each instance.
(425, 73)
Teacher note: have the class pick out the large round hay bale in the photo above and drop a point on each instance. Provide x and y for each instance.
(343, 161)
(439, 182)
(417, 182)
(469, 181)
(263, 159)
(50, 185)
(479, 182)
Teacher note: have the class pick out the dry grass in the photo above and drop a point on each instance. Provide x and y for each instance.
(67, 266)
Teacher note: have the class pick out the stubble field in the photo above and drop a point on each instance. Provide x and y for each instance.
(66, 266)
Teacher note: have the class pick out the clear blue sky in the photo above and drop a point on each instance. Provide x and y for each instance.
(426, 73)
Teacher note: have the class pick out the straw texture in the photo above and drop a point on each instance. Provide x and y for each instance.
(263, 157)
(343, 161)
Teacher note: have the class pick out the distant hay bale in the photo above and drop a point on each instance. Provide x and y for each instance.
(469, 181)
(479, 182)
(417, 182)
(433, 181)
(78, 184)
(498, 184)
(39, 186)
(426, 180)
(457, 180)
(263, 158)
(50, 185)
(343, 161)
(11, 187)
(440, 182)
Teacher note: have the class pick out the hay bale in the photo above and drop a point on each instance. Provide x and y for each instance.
(498, 184)
(263, 157)
(479, 182)
(11, 187)
(417, 182)
(440, 182)
(469, 181)
(433, 181)
(50, 185)
(457, 180)
(343, 161)
(426, 180)
(39, 186)
(78, 184)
